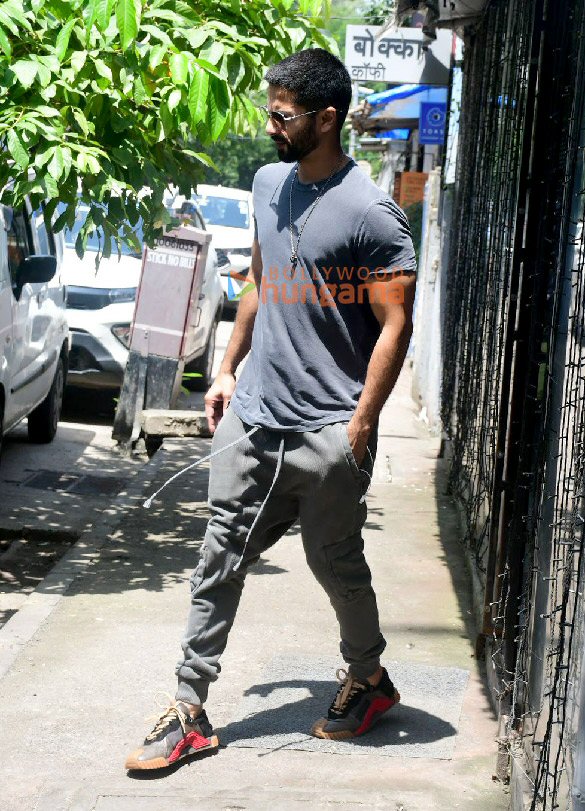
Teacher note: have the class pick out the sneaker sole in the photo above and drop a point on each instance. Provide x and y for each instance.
(372, 716)
(133, 764)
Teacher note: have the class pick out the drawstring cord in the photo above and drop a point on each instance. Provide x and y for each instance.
(363, 498)
(277, 471)
(149, 500)
(197, 462)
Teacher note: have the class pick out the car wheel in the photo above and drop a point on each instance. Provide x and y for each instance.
(203, 365)
(43, 421)
(1, 427)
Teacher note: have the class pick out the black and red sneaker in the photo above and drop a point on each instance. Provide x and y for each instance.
(175, 736)
(356, 707)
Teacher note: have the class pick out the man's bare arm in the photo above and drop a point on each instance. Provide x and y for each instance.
(387, 358)
(220, 393)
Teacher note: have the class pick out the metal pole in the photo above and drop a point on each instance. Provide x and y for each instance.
(352, 132)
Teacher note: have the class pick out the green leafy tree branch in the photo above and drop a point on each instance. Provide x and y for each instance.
(106, 98)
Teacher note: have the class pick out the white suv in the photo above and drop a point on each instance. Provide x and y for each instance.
(34, 336)
(229, 216)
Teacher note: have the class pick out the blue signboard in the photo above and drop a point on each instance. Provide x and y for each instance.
(432, 122)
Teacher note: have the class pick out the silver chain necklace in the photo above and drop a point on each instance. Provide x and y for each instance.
(294, 249)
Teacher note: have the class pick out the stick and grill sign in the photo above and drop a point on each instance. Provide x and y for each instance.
(396, 55)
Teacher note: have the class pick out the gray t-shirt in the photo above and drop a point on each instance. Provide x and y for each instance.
(315, 330)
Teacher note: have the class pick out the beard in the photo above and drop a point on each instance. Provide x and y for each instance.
(297, 148)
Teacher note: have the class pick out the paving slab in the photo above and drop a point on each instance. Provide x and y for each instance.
(293, 691)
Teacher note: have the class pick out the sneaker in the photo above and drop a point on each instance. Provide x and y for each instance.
(175, 736)
(356, 707)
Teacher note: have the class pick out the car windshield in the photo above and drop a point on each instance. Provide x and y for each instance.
(224, 211)
(93, 240)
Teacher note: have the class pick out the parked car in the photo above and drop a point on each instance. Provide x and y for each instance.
(100, 308)
(34, 342)
(229, 216)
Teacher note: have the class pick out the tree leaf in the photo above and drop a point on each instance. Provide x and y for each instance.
(208, 67)
(51, 186)
(140, 92)
(41, 158)
(81, 121)
(213, 53)
(128, 19)
(167, 119)
(8, 22)
(63, 37)
(55, 166)
(93, 165)
(5, 43)
(100, 13)
(196, 37)
(103, 70)
(179, 67)
(219, 106)
(61, 221)
(80, 243)
(87, 163)
(157, 54)
(50, 61)
(202, 158)
(29, 126)
(174, 98)
(46, 111)
(16, 149)
(198, 93)
(67, 161)
(44, 74)
(25, 71)
(158, 34)
(78, 60)
(49, 92)
(297, 33)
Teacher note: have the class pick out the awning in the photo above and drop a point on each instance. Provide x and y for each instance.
(406, 97)
(398, 108)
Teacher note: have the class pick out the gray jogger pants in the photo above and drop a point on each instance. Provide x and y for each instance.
(317, 482)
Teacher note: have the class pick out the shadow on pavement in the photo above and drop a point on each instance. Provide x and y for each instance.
(453, 555)
(95, 406)
(402, 725)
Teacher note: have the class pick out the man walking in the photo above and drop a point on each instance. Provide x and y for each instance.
(327, 326)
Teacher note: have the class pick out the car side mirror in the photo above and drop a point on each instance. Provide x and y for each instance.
(36, 270)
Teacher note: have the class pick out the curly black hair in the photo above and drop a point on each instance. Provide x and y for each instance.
(316, 78)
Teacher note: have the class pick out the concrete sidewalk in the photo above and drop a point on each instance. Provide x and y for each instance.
(75, 700)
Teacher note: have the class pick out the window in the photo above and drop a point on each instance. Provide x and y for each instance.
(94, 242)
(224, 211)
(19, 239)
(45, 238)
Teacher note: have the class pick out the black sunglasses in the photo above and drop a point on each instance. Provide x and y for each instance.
(280, 119)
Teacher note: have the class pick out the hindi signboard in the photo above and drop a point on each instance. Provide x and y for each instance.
(431, 128)
(397, 55)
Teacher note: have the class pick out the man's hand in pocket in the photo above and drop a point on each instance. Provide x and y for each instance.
(358, 439)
